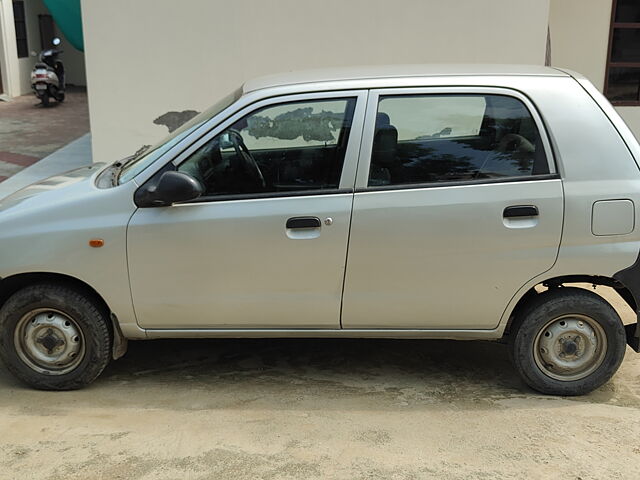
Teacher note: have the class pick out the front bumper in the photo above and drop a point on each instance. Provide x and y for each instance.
(633, 336)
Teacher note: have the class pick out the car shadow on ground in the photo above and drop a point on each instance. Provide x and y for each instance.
(311, 374)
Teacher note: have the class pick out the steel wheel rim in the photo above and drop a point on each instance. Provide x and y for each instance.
(570, 347)
(49, 341)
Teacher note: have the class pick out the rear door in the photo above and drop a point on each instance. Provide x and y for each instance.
(457, 205)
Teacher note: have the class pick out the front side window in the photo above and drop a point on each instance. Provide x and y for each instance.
(289, 147)
(445, 138)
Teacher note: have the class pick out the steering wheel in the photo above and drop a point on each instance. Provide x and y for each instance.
(248, 163)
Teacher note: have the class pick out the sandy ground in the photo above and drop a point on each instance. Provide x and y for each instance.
(320, 409)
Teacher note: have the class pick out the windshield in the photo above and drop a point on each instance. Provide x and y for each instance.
(137, 164)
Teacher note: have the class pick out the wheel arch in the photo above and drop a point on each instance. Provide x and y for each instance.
(11, 284)
(556, 282)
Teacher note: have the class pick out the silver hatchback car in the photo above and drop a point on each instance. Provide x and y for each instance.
(401, 202)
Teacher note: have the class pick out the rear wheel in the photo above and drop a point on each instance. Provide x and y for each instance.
(567, 341)
(45, 99)
(54, 337)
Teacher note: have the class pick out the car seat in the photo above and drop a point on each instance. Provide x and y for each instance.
(383, 152)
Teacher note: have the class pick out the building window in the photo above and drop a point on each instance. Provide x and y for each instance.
(21, 29)
(622, 82)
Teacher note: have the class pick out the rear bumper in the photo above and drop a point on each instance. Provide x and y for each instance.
(633, 336)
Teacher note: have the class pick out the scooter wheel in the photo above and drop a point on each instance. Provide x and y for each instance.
(45, 100)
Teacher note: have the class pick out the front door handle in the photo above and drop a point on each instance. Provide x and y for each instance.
(515, 211)
(303, 222)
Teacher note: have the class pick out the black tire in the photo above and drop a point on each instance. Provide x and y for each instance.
(538, 317)
(88, 316)
(45, 100)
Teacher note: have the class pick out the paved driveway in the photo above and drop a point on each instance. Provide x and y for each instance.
(319, 409)
(29, 132)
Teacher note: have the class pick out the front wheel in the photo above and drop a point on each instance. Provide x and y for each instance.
(54, 337)
(567, 341)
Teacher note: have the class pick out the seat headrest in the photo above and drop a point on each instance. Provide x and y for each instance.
(382, 120)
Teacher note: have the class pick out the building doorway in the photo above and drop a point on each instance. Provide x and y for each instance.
(47, 31)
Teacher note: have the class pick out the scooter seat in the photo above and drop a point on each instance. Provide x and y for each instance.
(41, 65)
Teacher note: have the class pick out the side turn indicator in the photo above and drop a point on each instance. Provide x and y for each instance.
(96, 242)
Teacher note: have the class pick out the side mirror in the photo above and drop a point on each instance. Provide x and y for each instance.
(172, 187)
(56, 41)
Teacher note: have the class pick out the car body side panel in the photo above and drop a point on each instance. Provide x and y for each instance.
(50, 233)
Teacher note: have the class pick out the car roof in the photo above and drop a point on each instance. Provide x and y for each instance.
(396, 71)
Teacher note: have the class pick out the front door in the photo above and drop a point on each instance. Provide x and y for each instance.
(458, 208)
(265, 246)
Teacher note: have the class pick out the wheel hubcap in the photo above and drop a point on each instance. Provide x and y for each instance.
(49, 342)
(570, 347)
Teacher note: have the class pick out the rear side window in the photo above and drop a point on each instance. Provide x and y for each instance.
(446, 138)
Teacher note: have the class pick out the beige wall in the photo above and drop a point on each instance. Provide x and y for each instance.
(145, 58)
(580, 36)
(579, 41)
(73, 60)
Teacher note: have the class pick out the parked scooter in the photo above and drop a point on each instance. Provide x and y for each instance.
(47, 77)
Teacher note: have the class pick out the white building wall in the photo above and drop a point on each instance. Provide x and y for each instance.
(145, 58)
(579, 42)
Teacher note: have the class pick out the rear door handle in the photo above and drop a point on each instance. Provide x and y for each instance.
(303, 222)
(520, 211)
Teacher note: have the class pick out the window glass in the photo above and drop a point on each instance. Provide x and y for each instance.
(625, 46)
(291, 147)
(21, 29)
(628, 11)
(624, 84)
(443, 138)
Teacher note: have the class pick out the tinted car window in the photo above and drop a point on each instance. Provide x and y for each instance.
(443, 138)
(289, 147)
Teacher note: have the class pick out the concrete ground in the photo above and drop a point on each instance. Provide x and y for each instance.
(30, 132)
(319, 409)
